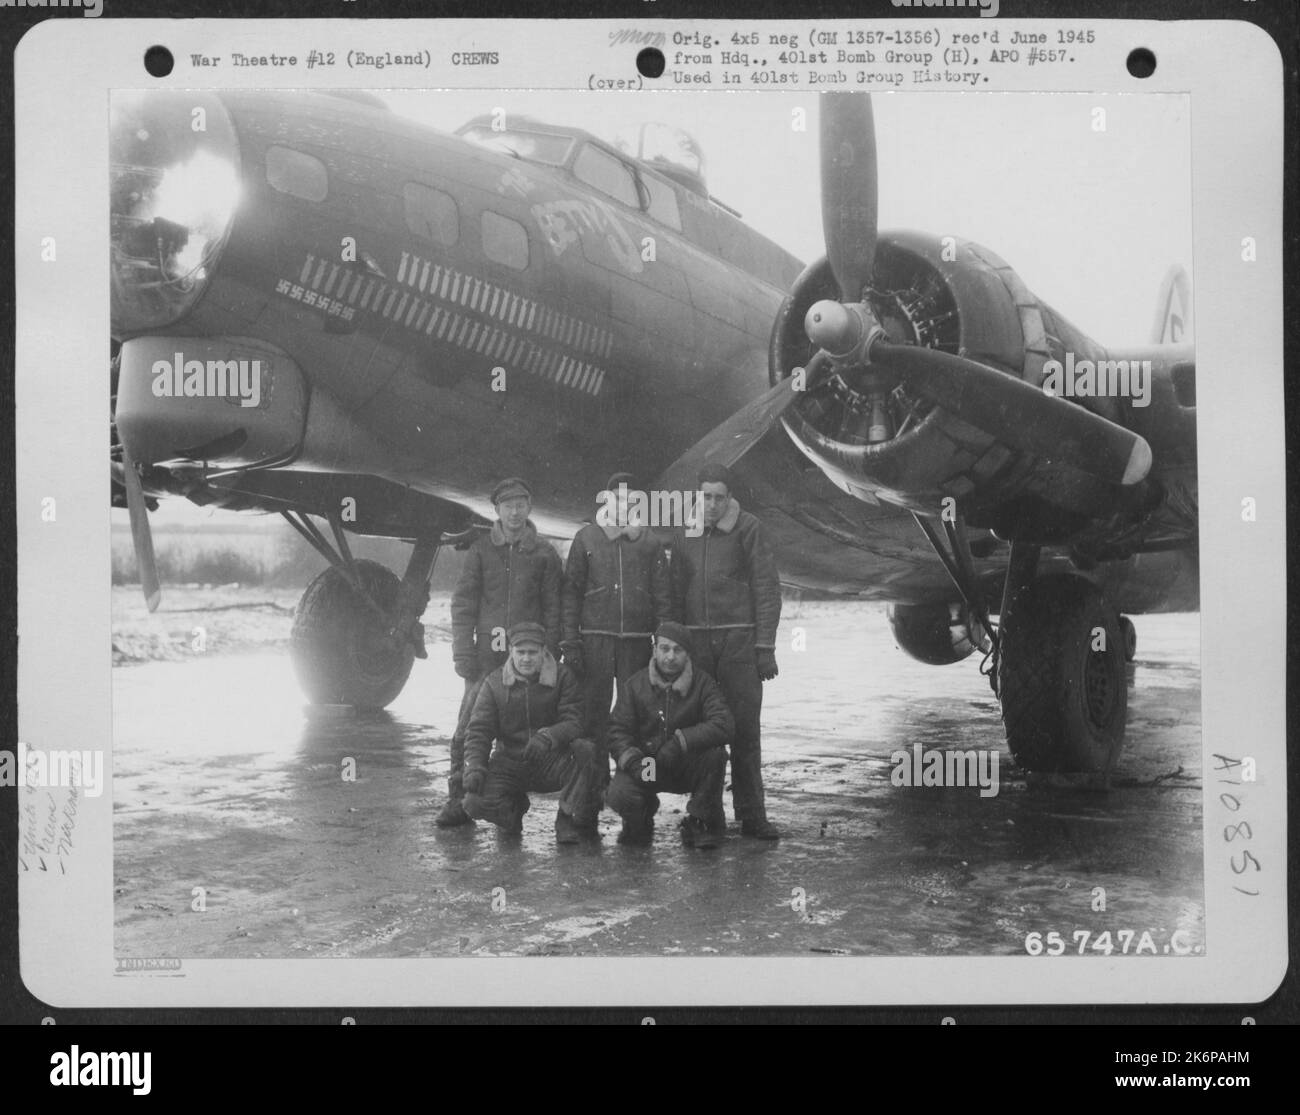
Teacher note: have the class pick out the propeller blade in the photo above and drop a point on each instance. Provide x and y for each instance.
(141, 535)
(726, 443)
(848, 156)
(1022, 416)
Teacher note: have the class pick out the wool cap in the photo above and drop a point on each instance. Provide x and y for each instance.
(510, 486)
(677, 633)
(527, 632)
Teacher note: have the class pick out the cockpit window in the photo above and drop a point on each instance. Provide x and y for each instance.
(431, 213)
(609, 175)
(661, 202)
(535, 147)
(297, 173)
(504, 240)
(664, 143)
(670, 150)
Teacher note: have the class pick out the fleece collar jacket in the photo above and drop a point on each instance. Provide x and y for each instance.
(725, 577)
(546, 676)
(509, 710)
(615, 583)
(632, 531)
(527, 539)
(650, 711)
(501, 584)
(681, 684)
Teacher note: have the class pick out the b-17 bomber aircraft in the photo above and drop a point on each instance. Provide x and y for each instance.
(315, 303)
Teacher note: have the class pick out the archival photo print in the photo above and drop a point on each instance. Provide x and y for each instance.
(753, 524)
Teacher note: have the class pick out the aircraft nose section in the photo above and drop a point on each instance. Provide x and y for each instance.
(174, 172)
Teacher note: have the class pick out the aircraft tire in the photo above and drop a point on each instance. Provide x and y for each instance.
(1130, 638)
(340, 650)
(1064, 704)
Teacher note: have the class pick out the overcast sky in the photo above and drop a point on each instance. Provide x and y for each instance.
(1090, 219)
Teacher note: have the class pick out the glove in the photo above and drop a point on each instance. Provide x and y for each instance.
(630, 762)
(766, 664)
(573, 658)
(464, 668)
(474, 780)
(670, 753)
(536, 749)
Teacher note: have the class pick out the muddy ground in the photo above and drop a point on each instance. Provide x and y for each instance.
(223, 780)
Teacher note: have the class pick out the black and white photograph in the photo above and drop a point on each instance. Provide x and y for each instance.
(693, 524)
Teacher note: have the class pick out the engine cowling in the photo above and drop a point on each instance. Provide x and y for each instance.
(880, 443)
(937, 634)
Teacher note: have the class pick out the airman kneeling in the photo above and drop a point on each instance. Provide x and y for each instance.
(525, 734)
(669, 733)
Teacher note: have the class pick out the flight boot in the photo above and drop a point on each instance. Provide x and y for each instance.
(453, 812)
(698, 833)
(510, 822)
(759, 827)
(566, 829)
(638, 829)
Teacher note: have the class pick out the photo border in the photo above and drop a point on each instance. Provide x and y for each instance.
(1224, 66)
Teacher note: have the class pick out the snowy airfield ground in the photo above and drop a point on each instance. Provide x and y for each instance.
(221, 780)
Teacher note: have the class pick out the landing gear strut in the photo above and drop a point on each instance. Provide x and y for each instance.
(357, 629)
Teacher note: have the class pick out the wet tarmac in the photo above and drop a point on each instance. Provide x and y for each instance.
(223, 781)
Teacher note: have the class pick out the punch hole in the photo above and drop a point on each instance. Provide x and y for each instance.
(1141, 62)
(158, 61)
(650, 62)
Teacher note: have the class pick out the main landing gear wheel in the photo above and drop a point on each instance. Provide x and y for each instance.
(1130, 636)
(341, 649)
(1061, 678)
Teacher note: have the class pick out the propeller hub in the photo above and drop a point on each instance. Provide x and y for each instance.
(833, 327)
(844, 331)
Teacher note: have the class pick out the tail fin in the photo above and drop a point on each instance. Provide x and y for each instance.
(1173, 321)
